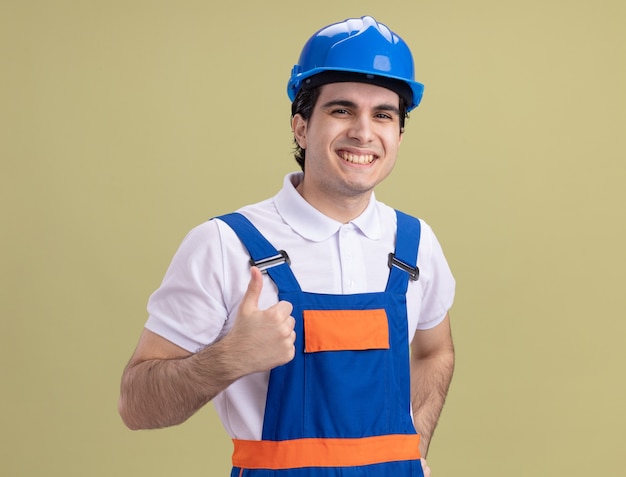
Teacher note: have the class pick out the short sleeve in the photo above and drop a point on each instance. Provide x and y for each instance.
(437, 282)
(188, 308)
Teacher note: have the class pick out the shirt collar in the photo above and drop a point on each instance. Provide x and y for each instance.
(310, 223)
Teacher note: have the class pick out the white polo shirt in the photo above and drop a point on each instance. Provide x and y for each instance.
(203, 286)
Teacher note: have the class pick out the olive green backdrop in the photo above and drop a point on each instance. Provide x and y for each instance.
(125, 123)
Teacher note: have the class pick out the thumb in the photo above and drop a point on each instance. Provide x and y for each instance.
(250, 299)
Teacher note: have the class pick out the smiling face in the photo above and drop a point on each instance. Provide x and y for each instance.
(351, 141)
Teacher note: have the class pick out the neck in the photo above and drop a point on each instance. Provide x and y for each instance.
(342, 209)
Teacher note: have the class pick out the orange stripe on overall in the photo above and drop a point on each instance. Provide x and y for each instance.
(325, 452)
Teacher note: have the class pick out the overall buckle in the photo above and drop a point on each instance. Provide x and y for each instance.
(273, 261)
(414, 272)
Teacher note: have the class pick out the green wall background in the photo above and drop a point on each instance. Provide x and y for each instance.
(126, 123)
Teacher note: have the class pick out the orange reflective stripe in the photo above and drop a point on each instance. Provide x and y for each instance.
(336, 330)
(335, 452)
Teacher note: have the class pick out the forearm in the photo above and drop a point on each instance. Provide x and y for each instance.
(430, 380)
(163, 385)
(165, 392)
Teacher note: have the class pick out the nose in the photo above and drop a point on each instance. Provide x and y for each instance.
(361, 129)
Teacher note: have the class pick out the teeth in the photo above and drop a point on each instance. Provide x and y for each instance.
(356, 159)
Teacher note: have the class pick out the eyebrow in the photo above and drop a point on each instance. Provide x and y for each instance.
(350, 104)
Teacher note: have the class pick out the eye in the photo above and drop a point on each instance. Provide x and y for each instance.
(340, 111)
(384, 116)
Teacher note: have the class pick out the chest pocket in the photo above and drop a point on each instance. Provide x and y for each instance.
(342, 330)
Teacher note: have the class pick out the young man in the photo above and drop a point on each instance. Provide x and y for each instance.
(335, 360)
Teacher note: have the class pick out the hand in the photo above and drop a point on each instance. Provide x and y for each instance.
(425, 468)
(265, 338)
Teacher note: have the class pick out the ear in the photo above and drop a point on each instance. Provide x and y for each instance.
(299, 128)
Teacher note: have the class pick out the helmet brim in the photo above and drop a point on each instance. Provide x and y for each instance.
(411, 91)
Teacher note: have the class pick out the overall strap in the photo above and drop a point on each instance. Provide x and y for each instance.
(403, 262)
(263, 254)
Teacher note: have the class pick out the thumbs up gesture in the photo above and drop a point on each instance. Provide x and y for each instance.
(265, 337)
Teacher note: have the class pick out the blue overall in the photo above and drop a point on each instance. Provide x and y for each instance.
(331, 395)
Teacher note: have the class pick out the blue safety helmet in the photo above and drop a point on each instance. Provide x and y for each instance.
(357, 49)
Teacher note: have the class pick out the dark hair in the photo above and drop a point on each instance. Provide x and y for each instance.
(304, 103)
